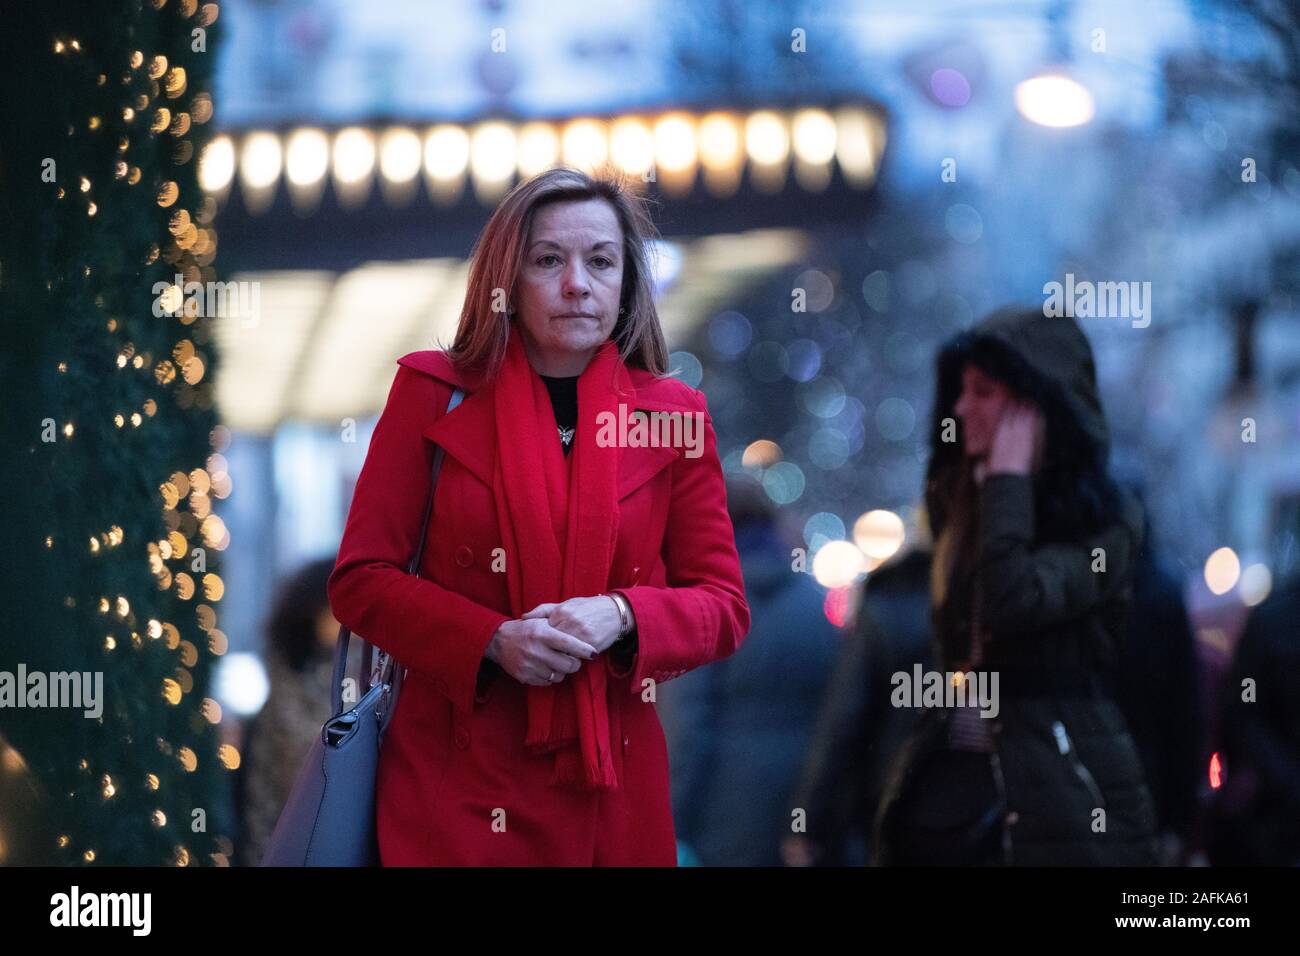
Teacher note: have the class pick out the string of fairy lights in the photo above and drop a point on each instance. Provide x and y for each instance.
(160, 112)
(677, 148)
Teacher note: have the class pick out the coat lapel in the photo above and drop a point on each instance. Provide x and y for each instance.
(468, 431)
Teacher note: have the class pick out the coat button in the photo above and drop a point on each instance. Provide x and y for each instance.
(625, 741)
(462, 737)
(464, 556)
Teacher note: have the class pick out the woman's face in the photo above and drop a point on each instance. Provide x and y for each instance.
(980, 409)
(327, 629)
(567, 296)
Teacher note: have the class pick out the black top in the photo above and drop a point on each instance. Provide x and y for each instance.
(564, 402)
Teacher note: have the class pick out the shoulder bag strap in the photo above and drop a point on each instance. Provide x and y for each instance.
(388, 672)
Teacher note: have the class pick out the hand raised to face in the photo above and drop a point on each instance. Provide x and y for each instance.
(1016, 441)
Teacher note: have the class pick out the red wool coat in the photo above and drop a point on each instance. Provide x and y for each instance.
(456, 785)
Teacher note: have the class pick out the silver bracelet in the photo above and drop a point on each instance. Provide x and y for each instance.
(625, 624)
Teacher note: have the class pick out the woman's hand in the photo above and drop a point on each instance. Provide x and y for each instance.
(1016, 440)
(532, 650)
(593, 620)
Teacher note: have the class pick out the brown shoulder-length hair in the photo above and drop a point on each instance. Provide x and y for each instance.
(480, 344)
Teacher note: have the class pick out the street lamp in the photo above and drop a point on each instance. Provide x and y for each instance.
(1054, 99)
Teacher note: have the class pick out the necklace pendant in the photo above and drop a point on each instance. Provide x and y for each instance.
(566, 434)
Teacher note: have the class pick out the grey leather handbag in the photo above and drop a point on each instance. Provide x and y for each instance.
(329, 818)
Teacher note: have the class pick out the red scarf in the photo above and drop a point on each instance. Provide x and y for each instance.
(559, 523)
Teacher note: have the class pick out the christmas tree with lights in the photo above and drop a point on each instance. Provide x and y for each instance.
(110, 750)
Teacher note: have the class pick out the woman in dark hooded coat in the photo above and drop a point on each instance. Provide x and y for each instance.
(1031, 580)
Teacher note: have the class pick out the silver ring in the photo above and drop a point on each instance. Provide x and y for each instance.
(552, 677)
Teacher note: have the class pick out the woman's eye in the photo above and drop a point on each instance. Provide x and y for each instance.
(602, 262)
(543, 260)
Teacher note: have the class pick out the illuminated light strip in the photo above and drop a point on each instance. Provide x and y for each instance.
(669, 148)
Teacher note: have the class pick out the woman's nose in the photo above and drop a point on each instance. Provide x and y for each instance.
(575, 281)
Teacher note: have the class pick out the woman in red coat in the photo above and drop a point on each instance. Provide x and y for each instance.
(578, 555)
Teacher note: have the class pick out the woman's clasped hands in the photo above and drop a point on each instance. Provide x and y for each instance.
(552, 640)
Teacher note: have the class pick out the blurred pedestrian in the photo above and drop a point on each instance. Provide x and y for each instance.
(738, 729)
(1030, 584)
(858, 732)
(1256, 819)
(1160, 694)
(301, 636)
